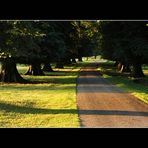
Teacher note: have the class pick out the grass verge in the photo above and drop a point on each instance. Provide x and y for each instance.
(49, 103)
(140, 90)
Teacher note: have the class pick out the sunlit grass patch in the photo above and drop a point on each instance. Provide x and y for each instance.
(51, 102)
(139, 90)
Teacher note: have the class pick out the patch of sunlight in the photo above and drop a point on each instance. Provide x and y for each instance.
(138, 90)
(141, 96)
(27, 105)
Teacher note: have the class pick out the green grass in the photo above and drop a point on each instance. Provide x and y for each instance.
(49, 103)
(125, 82)
(92, 60)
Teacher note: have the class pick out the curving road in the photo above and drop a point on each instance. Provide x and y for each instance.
(102, 104)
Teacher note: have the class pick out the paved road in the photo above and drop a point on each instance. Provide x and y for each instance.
(102, 104)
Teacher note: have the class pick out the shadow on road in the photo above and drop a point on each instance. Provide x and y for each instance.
(30, 110)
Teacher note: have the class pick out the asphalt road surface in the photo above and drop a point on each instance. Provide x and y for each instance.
(102, 104)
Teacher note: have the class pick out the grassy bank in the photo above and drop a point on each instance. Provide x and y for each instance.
(139, 90)
(50, 102)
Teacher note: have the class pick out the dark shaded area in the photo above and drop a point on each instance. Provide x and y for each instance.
(35, 88)
(59, 65)
(9, 72)
(62, 73)
(113, 112)
(47, 67)
(137, 70)
(53, 80)
(35, 69)
(30, 110)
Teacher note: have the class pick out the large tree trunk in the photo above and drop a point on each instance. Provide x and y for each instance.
(80, 59)
(9, 72)
(137, 70)
(122, 67)
(35, 69)
(67, 62)
(125, 68)
(74, 60)
(47, 67)
(119, 66)
(116, 63)
(59, 65)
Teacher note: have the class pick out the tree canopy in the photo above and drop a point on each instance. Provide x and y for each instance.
(125, 42)
(43, 42)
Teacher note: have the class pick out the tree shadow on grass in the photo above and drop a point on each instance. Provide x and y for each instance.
(61, 73)
(35, 88)
(29, 110)
(54, 80)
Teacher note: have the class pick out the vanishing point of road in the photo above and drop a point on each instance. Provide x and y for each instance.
(102, 104)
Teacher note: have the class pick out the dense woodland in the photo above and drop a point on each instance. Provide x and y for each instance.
(40, 43)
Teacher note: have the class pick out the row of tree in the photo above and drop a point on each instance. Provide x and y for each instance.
(125, 42)
(43, 42)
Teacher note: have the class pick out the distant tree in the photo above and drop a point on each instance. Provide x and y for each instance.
(125, 43)
(85, 38)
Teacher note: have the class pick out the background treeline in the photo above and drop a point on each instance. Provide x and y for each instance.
(126, 43)
(39, 43)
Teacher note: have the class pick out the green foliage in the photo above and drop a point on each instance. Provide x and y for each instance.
(18, 39)
(124, 41)
(52, 40)
(86, 37)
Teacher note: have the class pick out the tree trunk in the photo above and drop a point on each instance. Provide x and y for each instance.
(47, 67)
(119, 66)
(74, 60)
(116, 63)
(80, 59)
(67, 62)
(35, 69)
(137, 70)
(125, 68)
(59, 65)
(9, 72)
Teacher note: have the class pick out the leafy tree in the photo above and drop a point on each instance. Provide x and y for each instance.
(85, 38)
(125, 42)
(43, 42)
(17, 44)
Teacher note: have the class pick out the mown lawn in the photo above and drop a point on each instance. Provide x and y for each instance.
(139, 90)
(49, 102)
